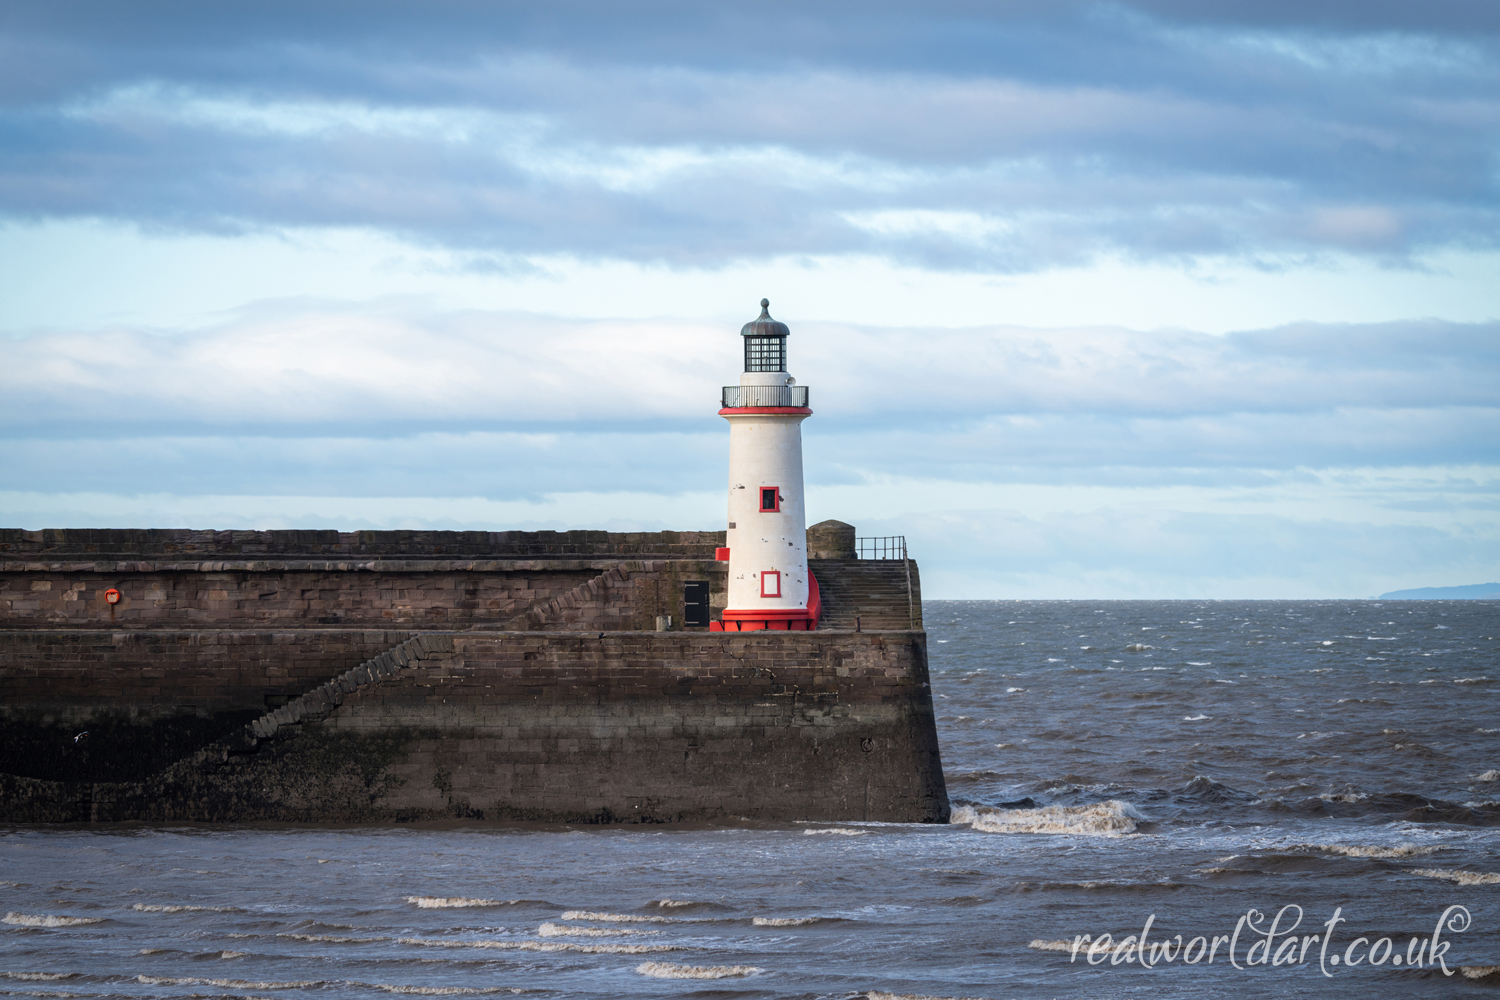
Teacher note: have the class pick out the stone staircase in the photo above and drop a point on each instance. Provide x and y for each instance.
(321, 701)
(872, 590)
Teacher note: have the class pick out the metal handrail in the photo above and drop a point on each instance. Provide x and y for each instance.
(883, 547)
(735, 396)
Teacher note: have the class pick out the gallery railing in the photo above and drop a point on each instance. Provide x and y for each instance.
(736, 396)
(886, 547)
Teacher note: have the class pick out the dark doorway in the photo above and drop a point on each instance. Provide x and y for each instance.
(695, 604)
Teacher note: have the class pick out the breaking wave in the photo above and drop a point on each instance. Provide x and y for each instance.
(1478, 971)
(1460, 877)
(563, 930)
(666, 970)
(840, 830)
(40, 977)
(183, 908)
(787, 921)
(1363, 851)
(231, 984)
(622, 918)
(445, 991)
(588, 949)
(1102, 819)
(1041, 945)
(47, 920)
(455, 902)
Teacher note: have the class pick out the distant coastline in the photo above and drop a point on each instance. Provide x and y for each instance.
(1473, 592)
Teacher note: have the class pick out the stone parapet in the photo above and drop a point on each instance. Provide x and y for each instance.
(59, 544)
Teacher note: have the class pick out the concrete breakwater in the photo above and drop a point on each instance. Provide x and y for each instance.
(248, 681)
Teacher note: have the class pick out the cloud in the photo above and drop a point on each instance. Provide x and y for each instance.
(395, 398)
(1022, 138)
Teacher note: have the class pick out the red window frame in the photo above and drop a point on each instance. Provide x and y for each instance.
(770, 576)
(776, 504)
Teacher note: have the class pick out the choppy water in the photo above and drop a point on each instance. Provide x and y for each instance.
(1187, 760)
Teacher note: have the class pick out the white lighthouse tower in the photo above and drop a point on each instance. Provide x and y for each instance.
(769, 583)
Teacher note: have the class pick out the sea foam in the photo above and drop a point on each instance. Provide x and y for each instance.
(563, 930)
(666, 970)
(626, 918)
(455, 902)
(47, 920)
(588, 949)
(1102, 819)
(1364, 851)
(1460, 877)
(786, 921)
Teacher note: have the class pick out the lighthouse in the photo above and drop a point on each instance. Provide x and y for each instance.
(770, 586)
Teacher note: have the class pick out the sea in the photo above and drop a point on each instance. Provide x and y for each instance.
(1280, 798)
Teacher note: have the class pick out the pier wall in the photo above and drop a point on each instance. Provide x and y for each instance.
(568, 728)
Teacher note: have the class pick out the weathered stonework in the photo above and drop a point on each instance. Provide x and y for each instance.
(562, 727)
(382, 677)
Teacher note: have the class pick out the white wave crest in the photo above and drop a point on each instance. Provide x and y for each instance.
(563, 930)
(230, 984)
(1365, 851)
(455, 902)
(1489, 776)
(47, 920)
(619, 918)
(840, 830)
(231, 954)
(40, 977)
(666, 970)
(445, 991)
(1102, 819)
(1473, 680)
(786, 921)
(878, 995)
(1478, 971)
(1041, 945)
(667, 904)
(588, 949)
(183, 908)
(1460, 877)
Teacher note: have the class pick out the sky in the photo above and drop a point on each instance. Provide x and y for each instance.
(1094, 300)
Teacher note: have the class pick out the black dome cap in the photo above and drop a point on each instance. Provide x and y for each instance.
(763, 325)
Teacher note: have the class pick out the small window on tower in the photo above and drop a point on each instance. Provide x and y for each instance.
(770, 499)
(770, 583)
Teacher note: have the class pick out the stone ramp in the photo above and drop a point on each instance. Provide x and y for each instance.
(320, 702)
(872, 590)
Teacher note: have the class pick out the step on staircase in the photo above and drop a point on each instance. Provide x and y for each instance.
(321, 701)
(872, 590)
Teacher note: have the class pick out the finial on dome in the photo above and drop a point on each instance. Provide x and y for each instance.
(763, 325)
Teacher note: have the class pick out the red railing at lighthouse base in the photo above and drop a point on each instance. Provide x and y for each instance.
(792, 620)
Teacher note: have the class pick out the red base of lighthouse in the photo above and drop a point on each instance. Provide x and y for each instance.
(790, 620)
